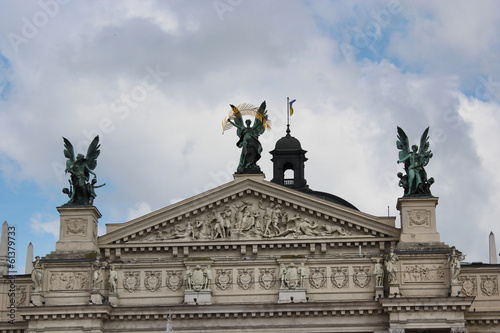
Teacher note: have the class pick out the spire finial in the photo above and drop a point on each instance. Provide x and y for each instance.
(288, 129)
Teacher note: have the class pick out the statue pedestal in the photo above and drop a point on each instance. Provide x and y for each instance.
(202, 297)
(36, 298)
(113, 299)
(96, 297)
(78, 229)
(418, 220)
(394, 291)
(379, 292)
(292, 296)
(456, 289)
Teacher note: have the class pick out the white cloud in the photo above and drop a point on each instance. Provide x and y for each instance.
(45, 224)
(138, 210)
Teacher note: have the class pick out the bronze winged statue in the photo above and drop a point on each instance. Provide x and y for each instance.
(415, 182)
(249, 135)
(81, 188)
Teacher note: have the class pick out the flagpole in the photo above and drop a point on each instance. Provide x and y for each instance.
(288, 114)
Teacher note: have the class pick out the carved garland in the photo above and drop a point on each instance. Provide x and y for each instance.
(152, 282)
(132, 281)
(362, 276)
(245, 278)
(469, 285)
(317, 277)
(223, 279)
(267, 278)
(489, 285)
(174, 280)
(340, 277)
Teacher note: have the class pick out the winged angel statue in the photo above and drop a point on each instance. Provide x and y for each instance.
(249, 135)
(415, 182)
(81, 191)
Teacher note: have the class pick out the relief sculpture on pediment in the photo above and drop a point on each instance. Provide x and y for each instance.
(249, 219)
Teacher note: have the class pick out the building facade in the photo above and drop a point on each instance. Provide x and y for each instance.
(254, 256)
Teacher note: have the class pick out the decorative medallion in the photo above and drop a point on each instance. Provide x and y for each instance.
(152, 282)
(420, 217)
(131, 281)
(362, 276)
(340, 277)
(317, 277)
(69, 280)
(76, 227)
(223, 278)
(469, 285)
(245, 278)
(20, 295)
(174, 280)
(489, 285)
(267, 277)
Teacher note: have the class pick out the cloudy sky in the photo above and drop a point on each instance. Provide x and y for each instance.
(154, 79)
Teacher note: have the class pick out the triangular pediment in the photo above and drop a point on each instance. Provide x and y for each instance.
(249, 208)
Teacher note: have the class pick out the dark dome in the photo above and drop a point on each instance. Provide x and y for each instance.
(288, 142)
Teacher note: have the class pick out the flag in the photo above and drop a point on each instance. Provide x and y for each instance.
(291, 108)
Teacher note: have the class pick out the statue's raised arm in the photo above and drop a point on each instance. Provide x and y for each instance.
(415, 182)
(249, 135)
(81, 188)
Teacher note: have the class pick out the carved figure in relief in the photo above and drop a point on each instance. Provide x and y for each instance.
(188, 277)
(37, 274)
(202, 229)
(179, 232)
(97, 277)
(189, 230)
(307, 228)
(282, 276)
(113, 279)
(302, 274)
(378, 271)
(227, 216)
(454, 260)
(207, 274)
(218, 230)
(391, 265)
(331, 229)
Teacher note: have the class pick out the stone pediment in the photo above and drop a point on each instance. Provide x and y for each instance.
(249, 209)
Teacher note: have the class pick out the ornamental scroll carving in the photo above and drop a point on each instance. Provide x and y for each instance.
(267, 278)
(250, 219)
(469, 285)
(152, 281)
(20, 295)
(174, 280)
(340, 277)
(489, 285)
(76, 227)
(223, 279)
(423, 273)
(245, 278)
(362, 276)
(131, 281)
(317, 277)
(78, 280)
(420, 217)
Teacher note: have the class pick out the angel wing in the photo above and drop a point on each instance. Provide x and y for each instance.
(261, 122)
(236, 115)
(424, 142)
(69, 152)
(403, 145)
(92, 153)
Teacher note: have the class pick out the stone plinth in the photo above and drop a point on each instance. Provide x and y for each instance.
(78, 229)
(456, 289)
(418, 220)
(113, 299)
(36, 298)
(192, 297)
(292, 296)
(96, 297)
(394, 291)
(379, 292)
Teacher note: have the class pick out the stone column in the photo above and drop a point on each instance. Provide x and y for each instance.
(418, 220)
(78, 229)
